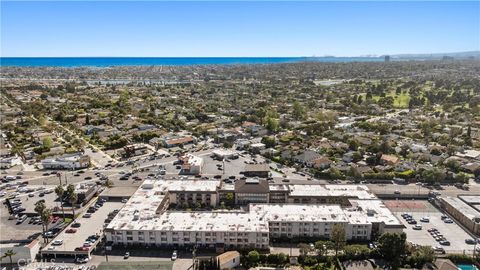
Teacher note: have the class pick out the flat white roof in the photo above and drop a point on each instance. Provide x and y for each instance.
(374, 211)
(191, 185)
(298, 212)
(140, 212)
(462, 207)
(470, 199)
(357, 191)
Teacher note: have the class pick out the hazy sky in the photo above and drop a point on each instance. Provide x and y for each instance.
(153, 28)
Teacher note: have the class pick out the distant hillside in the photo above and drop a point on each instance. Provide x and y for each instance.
(455, 55)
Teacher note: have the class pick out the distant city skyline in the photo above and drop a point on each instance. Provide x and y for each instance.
(236, 29)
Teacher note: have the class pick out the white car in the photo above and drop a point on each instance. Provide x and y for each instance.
(417, 227)
(174, 255)
(425, 219)
(57, 242)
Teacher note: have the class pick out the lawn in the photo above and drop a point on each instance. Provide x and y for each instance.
(152, 265)
(399, 101)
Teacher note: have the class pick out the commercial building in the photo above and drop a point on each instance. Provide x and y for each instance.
(224, 154)
(67, 162)
(463, 211)
(134, 150)
(175, 141)
(192, 192)
(257, 170)
(251, 190)
(145, 219)
(9, 162)
(191, 164)
(85, 192)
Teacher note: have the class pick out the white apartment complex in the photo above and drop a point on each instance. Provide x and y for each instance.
(144, 220)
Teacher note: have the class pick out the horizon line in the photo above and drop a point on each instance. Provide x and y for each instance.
(372, 55)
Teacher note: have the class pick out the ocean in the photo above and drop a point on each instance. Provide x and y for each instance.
(167, 61)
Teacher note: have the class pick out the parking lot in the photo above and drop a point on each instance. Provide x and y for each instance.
(89, 226)
(452, 232)
(11, 230)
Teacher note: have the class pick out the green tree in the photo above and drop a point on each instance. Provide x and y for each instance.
(253, 257)
(304, 248)
(272, 124)
(322, 247)
(338, 238)
(47, 142)
(269, 141)
(391, 247)
(422, 255)
(298, 111)
(44, 213)
(9, 253)
(72, 199)
(60, 192)
(356, 250)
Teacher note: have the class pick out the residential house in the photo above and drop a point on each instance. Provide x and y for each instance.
(389, 160)
(307, 158)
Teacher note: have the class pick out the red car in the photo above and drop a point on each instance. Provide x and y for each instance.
(82, 249)
(71, 231)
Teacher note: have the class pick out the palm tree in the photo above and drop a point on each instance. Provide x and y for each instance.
(39, 209)
(60, 192)
(73, 200)
(70, 190)
(9, 253)
(44, 214)
(45, 217)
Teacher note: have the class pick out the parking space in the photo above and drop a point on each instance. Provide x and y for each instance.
(72, 239)
(428, 218)
(11, 229)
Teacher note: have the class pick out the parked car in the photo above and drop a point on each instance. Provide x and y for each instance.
(71, 231)
(76, 225)
(82, 259)
(470, 241)
(174, 255)
(439, 249)
(57, 242)
(126, 255)
(425, 219)
(417, 227)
